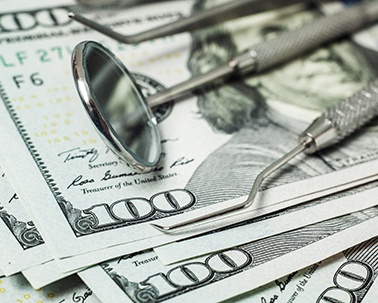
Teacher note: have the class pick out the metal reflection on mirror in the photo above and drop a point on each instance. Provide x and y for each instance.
(116, 106)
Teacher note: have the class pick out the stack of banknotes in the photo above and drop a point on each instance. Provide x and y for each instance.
(76, 222)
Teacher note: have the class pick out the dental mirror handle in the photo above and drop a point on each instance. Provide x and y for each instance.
(279, 50)
(331, 127)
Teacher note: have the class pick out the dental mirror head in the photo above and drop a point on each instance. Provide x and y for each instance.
(116, 106)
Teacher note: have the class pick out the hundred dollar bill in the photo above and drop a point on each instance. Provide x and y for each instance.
(15, 289)
(350, 276)
(84, 201)
(225, 274)
(54, 98)
(261, 227)
(21, 244)
(280, 99)
(44, 274)
(312, 212)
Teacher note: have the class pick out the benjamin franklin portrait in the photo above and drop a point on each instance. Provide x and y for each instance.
(266, 112)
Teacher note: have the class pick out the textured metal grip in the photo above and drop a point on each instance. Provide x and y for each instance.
(352, 113)
(294, 43)
(341, 120)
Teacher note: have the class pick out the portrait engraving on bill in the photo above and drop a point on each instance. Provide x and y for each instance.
(266, 112)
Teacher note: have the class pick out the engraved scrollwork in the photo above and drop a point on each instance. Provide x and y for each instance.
(27, 236)
(85, 224)
(147, 295)
(133, 290)
(82, 225)
(31, 237)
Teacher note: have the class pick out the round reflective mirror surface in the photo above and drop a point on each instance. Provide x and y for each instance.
(116, 106)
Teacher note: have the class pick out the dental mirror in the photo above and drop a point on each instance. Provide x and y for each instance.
(116, 106)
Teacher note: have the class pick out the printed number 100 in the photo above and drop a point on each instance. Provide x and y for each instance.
(133, 209)
(189, 275)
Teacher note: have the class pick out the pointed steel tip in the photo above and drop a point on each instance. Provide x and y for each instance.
(160, 227)
(71, 14)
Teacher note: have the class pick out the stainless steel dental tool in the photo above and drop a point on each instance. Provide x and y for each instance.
(261, 57)
(279, 50)
(122, 116)
(221, 13)
(331, 127)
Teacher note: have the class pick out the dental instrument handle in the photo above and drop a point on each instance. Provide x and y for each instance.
(291, 44)
(331, 127)
(279, 50)
(203, 18)
(342, 119)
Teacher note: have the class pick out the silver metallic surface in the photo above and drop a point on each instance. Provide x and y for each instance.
(117, 127)
(334, 125)
(181, 89)
(281, 49)
(255, 188)
(221, 13)
(341, 120)
(331, 127)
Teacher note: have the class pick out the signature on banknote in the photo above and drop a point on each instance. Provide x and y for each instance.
(77, 298)
(79, 153)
